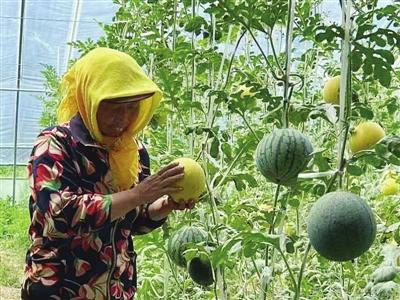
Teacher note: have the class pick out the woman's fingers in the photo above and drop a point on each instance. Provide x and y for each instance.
(190, 204)
(171, 172)
(171, 189)
(171, 180)
(166, 168)
(182, 205)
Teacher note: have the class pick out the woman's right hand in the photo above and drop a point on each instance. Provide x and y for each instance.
(159, 184)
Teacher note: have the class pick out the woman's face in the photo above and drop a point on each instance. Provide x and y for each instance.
(116, 115)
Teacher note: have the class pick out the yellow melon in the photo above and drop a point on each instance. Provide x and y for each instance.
(365, 135)
(389, 187)
(331, 90)
(193, 181)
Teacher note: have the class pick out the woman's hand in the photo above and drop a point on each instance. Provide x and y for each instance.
(148, 191)
(162, 207)
(159, 184)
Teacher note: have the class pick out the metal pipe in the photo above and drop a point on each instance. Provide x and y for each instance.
(19, 72)
(22, 90)
(73, 29)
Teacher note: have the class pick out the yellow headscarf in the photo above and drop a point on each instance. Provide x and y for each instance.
(106, 74)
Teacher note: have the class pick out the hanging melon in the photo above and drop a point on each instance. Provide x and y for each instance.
(282, 155)
(200, 271)
(193, 181)
(331, 90)
(390, 187)
(365, 136)
(341, 226)
(180, 240)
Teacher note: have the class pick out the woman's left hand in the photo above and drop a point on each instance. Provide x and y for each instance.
(180, 205)
(163, 206)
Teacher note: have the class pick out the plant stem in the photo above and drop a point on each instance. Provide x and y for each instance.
(263, 53)
(220, 272)
(193, 78)
(276, 197)
(271, 229)
(232, 58)
(345, 87)
(303, 264)
(288, 50)
(270, 37)
(166, 273)
(255, 267)
(204, 144)
(238, 155)
(173, 271)
(290, 271)
(248, 125)
(342, 269)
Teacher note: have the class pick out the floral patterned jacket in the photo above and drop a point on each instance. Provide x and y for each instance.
(76, 251)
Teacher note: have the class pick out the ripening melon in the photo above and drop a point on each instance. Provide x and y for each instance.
(179, 242)
(341, 226)
(365, 136)
(331, 90)
(282, 155)
(193, 182)
(200, 271)
(389, 187)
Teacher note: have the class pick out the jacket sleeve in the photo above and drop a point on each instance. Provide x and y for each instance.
(57, 201)
(143, 224)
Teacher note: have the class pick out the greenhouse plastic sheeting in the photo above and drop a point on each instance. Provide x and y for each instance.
(47, 28)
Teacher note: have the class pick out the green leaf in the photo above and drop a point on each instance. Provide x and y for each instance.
(195, 24)
(396, 235)
(356, 60)
(393, 143)
(381, 149)
(249, 248)
(214, 149)
(366, 112)
(362, 29)
(373, 160)
(391, 105)
(378, 40)
(239, 184)
(394, 160)
(227, 149)
(250, 179)
(387, 55)
(382, 74)
(294, 202)
(355, 170)
(367, 67)
(220, 254)
(289, 244)
(262, 238)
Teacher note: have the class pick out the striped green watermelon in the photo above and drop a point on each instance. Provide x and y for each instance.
(282, 155)
(179, 240)
(341, 226)
(200, 271)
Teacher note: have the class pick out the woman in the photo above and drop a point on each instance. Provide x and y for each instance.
(91, 188)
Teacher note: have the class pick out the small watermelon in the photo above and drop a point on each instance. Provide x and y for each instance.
(180, 240)
(282, 155)
(341, 226)
(200, 271)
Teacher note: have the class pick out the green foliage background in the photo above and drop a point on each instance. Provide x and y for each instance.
(200, 53)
